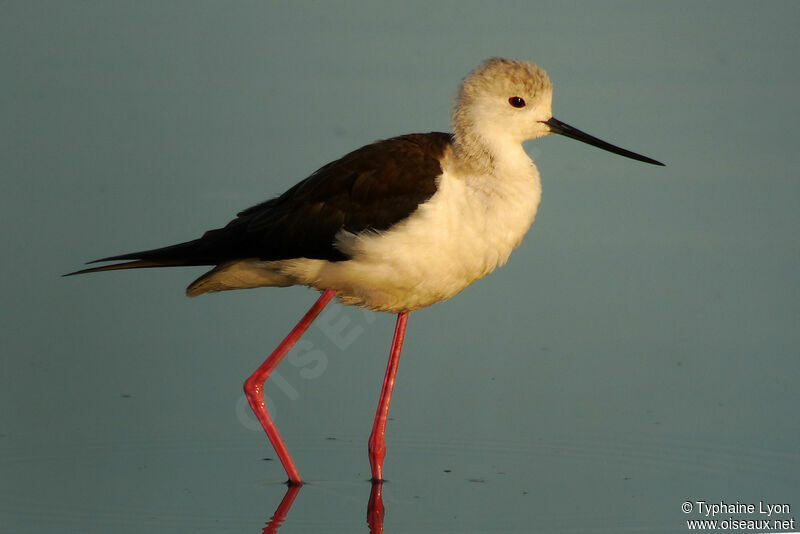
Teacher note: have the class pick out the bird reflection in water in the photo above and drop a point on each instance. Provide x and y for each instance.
(277, 518)
(375, 509)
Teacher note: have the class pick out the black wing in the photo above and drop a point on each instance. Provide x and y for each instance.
(371, 188)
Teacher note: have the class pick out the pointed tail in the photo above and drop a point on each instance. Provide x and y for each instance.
(182, 254)
(140, 264)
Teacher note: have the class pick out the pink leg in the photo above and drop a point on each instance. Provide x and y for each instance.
(254, 386)
(377, 439)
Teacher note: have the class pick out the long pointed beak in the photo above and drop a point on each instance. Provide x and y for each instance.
(558, 127)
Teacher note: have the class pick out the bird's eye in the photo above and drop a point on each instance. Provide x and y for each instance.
(517, 101)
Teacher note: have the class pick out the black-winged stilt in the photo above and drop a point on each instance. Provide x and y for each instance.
(393, 226)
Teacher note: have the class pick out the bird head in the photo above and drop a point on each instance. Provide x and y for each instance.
(507, 101)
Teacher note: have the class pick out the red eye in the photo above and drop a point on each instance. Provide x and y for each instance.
(517, 101)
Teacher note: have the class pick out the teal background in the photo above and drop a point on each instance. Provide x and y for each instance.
(639, 350)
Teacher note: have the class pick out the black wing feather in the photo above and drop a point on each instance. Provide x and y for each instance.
(371, 188)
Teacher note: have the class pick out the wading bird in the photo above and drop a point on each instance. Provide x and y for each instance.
(393, 226)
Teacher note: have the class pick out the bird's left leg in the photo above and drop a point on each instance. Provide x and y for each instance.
(377, 439)
(254, 386)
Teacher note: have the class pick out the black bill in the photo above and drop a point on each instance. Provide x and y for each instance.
(558, 127)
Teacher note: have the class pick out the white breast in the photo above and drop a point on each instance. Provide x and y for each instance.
(467, 229)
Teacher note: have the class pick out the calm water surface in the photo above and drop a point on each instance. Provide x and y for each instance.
(639, 351)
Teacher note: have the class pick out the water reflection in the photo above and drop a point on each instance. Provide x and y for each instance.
(165, 485)
(277, 518)
(375, 509)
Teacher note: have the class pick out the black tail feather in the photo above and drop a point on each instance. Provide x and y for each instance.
(187, 252)
(140, 264)
(183, 254)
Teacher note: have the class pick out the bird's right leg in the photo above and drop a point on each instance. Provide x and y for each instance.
(377, 439)
(254, 386)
